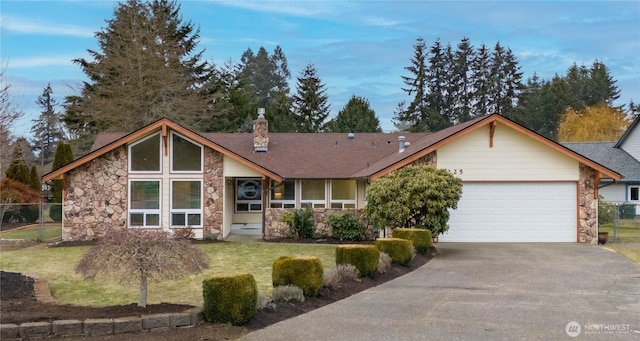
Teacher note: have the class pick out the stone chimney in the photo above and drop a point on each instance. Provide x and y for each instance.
(261, 132)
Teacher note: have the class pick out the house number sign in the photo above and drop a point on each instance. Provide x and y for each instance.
(455, 171)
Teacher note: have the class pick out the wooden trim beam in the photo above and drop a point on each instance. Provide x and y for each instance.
(492, 130)
(165, 134)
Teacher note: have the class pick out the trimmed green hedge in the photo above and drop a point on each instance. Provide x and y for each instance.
(364, 257)
(421, 238)
(400, 250)
(303, 272)
(230, 299)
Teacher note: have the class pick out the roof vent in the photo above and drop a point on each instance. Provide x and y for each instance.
(351, 136)
(401, 144)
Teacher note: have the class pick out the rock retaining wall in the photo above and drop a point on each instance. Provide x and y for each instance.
(275, 229)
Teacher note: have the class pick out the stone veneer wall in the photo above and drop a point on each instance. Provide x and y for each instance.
(588, 206)
(275, 229)
(96, 199)
(213, 194)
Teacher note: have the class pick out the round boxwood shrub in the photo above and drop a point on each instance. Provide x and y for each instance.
(363, 257)
(400, 250)
(346, 226)
(230, 299)
(421, 238)
(303, 272)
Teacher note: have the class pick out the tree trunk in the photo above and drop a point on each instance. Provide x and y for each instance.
(142, 295)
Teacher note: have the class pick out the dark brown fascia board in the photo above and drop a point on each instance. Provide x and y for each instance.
(163, 124)
(499, 119)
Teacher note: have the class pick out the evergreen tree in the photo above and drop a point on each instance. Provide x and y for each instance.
(437, 80)
(481, 80)
(416, 86)
(461, 82)
(310, 108)
(601, 87)
(147, 68)
(63, 157)
(356, 117)
(34, 182)
(47, 129)
(18, 169)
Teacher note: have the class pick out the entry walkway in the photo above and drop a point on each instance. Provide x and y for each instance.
(487, 292)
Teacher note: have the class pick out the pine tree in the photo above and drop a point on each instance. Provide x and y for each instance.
(147, 68)
(356, 117)
(34, 182)
(47, 129)
(63, 157)
(461, 82)
(310, 106)
(602, 87)
(438, 74)
(481, 79)
(18, 169)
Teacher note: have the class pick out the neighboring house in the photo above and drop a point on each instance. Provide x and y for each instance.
(518, 185)
(624, 158)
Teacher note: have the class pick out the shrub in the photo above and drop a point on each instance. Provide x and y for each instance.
(300, 221)
(421, 238)
(303, 272)
(265, 302)
(339, 274)
(346, 226)
(184, 233)
(230, 299)
(400, 250)
(384, 262)
(363, 257)
(287, 293)
(606, 211)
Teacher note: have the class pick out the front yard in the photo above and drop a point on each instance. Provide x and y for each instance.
(57, 266)
(628, 243)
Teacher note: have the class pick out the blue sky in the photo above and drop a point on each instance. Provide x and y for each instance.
(358, 48)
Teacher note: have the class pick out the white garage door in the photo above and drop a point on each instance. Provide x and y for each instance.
(514, 212)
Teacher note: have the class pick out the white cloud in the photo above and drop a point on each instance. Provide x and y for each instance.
(296, 8)
(40, 61)
(23, 25)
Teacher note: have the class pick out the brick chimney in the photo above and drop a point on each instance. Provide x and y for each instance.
(261, 132)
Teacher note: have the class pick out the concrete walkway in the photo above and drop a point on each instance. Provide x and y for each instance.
(488, 292)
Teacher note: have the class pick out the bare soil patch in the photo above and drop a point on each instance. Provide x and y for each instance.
(19, 305)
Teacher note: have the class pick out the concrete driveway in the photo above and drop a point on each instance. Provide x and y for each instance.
(488, 292)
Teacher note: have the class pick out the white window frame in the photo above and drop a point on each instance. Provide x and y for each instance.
(248, 202)
(282, 203)
(147, 211)
(186, 212)
(343, 203)
(130, 156)
(316, 203)
(171, 155)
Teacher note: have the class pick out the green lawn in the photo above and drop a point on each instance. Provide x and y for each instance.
(51, 231)
(56, 265)
(628, 243)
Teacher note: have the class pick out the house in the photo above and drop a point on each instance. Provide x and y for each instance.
(518, 185)
(623, 157)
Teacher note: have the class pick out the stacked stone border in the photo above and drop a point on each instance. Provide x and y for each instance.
(103, 326)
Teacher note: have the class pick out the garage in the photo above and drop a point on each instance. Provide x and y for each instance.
(515, 212)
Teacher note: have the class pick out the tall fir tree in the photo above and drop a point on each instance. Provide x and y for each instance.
(47, 129)
(310, 107)
(438, 75)
(356, 117)
(481, 80)
(461, 82)
(416, 113)
(146, 68)
(63, 157)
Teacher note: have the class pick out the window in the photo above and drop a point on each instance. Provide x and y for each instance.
(283, 194)
(186, 203)
(144, 155)
(248, 195)
(186, 156)
(144, 203)
(634, 193)
(313, 193)
(343, 194)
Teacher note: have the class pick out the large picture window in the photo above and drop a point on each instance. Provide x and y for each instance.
(144, 155)
(343, 194)
(144, 203)
(186, 156)
(313, 193)
(249, 195)
(283, 194)
(186, 203)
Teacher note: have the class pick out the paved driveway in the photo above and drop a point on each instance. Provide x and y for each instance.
(488, 292)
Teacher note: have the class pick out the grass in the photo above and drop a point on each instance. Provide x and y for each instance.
(628, 243)
(57, 267)
(51, 231)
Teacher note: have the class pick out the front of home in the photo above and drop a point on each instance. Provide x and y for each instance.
(518, 186)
